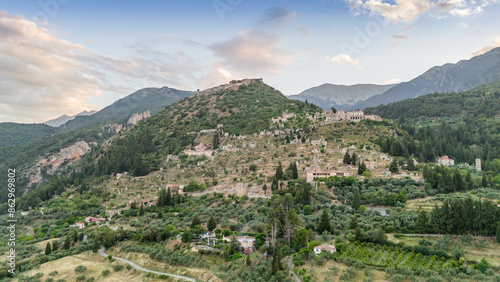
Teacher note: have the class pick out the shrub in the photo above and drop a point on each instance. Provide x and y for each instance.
(81, 278)
(80, 269)
(53, 273)
(117, 267)
(105, 272)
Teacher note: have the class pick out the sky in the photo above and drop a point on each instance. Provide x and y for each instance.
(66, 56)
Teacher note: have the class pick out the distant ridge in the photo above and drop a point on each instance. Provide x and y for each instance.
(147, 99)
(65, 118)
(342, 97)
(462, 76)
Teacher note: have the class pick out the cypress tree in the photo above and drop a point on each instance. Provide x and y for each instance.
(168, 198)
(354, 158)
(324, 223)
(55, 245)
(498, 233)
(141, 209)
(161, 198)
(196, 221)
(276, 266)
(347, 158)
(295, 172)
(484, 181)
(95, 246)
(48, 249)
(356, 199)
(67, 243)
(211, 225)
(75, 236)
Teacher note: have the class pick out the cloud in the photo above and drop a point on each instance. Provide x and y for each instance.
(40, 73)
(463, 25)
(305, 31)
(43, 76)
(276, 16)
(409, 10)
(344, 59)
(218, 75)
(400, 36)
(252, 51)
(492, 45)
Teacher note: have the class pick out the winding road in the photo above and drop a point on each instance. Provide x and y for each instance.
(102, 253)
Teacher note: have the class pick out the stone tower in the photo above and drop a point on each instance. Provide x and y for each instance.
(478, 164)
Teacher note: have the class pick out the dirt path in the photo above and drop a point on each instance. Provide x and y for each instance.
(102, 253)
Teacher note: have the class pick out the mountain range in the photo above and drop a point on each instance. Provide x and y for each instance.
(147, 99)
(65, 118)
(462, 76)
(342, 97)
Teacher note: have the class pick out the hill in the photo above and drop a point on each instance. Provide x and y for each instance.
(464, 75)
(240, 107)
(147, 99)
(12, 134)
(463, 125)
(480, 102)
(342, 97)
(65, 118)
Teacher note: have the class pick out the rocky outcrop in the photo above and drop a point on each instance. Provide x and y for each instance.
(55, 163)
(135, 118)
(113, 127)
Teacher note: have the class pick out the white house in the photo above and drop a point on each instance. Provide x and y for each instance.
(80, 225)
(326, 248)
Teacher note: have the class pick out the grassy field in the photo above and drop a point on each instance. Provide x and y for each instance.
(95, 264)
(323, 273)
(491, 250)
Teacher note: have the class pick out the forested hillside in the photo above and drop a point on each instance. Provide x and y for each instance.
(147, 99)
(12, 134)
(463, 125)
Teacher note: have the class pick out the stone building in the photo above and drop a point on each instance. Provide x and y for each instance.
(444, 160)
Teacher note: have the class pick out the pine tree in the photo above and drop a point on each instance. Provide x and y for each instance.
(67, 243)
(356, 199)
(48, 249)
(324, 223)
(410, 165)
(141, 209)
(394, 166)
(211, 225)
(347, 158)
